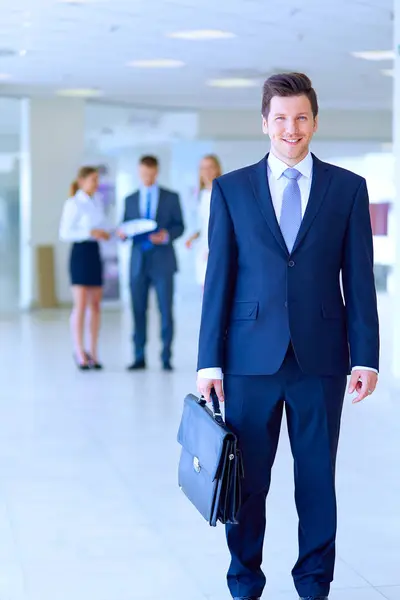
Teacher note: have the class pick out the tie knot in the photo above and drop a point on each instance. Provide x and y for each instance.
(292, 173)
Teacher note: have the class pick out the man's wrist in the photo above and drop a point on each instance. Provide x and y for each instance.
(210, 373)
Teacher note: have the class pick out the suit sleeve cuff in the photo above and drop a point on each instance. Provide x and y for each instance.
(210, 373)
(364, 369)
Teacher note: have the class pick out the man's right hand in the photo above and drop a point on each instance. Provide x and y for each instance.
(205, 386)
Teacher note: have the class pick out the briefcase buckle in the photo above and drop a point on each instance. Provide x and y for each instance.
(196, 464)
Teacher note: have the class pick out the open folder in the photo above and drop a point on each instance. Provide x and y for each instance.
(139, 229)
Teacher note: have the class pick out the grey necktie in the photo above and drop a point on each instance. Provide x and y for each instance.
(290, 220)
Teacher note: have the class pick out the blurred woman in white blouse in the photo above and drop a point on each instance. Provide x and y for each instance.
(84, 223)
(210, 168)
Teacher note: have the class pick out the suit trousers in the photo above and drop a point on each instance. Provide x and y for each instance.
(254, 408)
(163, 283)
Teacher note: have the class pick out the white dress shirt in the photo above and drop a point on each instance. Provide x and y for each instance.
(81, 214)
(277, 183)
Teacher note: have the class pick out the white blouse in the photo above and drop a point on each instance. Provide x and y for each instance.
(81, 214)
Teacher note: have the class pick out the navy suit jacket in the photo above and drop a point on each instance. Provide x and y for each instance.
(169, 216)
(258, 297)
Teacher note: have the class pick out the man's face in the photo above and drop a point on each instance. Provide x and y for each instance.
(148, 175)
(290, 126)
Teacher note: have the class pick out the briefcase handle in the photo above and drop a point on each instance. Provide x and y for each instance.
(215, 406)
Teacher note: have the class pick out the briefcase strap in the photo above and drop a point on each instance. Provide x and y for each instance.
(215, 405)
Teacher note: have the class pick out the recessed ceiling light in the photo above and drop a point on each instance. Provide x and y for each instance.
(80, 93)
(156, 63)
(202, 34)
(4, 76)
(23, 52)
(375, 55)
(76, 2)
(388, 72)
(237, 82)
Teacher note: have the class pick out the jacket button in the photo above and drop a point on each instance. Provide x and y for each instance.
(291, 263)
(285, 304)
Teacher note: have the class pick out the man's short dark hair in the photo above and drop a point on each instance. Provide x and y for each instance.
(149, 161)
(288, 84)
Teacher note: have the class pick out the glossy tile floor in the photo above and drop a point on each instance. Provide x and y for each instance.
(89, 505)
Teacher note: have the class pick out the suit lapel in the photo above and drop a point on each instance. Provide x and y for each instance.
(135, 206)
(321, 179)
(160, 205)
(259, 180)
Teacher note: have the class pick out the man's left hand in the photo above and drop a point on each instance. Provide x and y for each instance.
(160, 237)
(363, 382)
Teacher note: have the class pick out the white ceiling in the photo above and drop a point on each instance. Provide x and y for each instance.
(87, 45)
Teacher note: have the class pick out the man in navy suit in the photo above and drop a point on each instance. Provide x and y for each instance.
(153, 260)
(286, 235)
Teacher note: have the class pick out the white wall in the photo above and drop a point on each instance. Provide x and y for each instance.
(52, 145)
(9, 143)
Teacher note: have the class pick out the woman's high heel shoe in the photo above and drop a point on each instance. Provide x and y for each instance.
(93, 364)
(81, 366)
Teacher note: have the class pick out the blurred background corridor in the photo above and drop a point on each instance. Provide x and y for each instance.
(90, 508)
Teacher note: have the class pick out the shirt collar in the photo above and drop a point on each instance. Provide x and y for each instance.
(81, 195)
(278, 167)
(152, 188)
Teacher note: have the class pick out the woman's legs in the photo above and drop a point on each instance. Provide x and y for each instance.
(94, 301)
(80, 298)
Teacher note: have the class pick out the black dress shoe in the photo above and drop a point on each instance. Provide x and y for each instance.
(167, 366)
(138, 365)
(247, 598)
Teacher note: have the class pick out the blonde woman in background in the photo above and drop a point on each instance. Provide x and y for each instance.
(210, 168)
(84, 223)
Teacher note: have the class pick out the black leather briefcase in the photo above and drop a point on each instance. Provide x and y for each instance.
(210, 466)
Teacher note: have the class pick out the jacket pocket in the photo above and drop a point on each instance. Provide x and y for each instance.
(244, 311)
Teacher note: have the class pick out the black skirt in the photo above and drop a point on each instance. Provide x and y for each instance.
(85, 265)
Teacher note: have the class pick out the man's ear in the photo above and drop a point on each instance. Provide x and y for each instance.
(264, 125)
